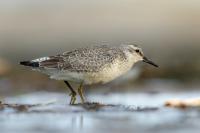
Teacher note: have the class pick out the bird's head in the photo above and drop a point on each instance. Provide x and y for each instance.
(138, 55)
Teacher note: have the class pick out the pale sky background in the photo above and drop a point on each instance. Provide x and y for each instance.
(34, 28)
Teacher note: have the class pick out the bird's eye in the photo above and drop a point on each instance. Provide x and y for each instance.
(137, 50)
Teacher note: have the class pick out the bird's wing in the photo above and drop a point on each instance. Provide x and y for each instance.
(51, 62)
(88, 59)
(91, 59)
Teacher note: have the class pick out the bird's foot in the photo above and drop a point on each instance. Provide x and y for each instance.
(73, 98)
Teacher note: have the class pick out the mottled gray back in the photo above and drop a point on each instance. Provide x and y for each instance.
(89, 59)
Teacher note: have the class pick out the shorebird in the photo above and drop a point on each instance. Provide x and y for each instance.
(89, 65)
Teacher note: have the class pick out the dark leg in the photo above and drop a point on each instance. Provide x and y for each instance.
(73, 93)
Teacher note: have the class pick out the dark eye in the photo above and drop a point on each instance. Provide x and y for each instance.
(137, 50)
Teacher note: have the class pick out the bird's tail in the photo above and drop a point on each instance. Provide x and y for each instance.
(29, 63)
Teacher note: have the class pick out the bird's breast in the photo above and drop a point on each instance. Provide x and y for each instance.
(108, 73)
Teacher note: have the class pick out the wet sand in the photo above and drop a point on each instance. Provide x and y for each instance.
(46, 112)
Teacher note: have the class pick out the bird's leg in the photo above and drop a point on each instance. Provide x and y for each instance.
(73, 93)
(80, 92)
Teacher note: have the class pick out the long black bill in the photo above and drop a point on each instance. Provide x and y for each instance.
(146, 60)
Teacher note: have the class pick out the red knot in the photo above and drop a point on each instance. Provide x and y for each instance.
(89, 65)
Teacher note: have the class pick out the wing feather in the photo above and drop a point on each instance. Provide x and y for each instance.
(91, 59)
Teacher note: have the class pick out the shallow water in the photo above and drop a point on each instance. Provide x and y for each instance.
(127, 112)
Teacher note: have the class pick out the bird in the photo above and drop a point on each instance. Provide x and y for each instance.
(89, 65)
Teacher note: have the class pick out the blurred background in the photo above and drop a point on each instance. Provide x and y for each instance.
(168, 32)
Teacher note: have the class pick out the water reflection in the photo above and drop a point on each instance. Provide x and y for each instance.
(62, 118)
(77, 122)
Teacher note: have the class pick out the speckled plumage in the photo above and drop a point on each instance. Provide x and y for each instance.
(90, 65)
(89, 59)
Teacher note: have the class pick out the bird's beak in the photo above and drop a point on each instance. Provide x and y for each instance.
(146, 60)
